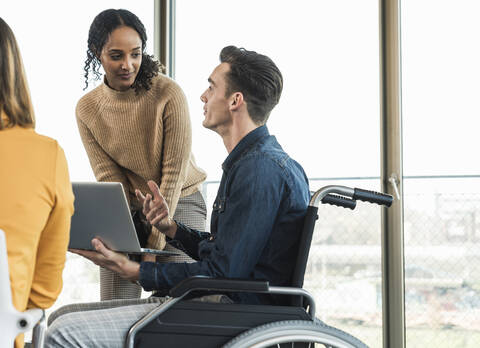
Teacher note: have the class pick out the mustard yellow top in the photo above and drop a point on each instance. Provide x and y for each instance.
(36, 204)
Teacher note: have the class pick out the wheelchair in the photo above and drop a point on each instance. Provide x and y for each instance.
(180, 322)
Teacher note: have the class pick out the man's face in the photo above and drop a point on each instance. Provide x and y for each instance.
(216, 105)
(121, 58)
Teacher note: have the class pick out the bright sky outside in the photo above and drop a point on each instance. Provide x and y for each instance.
(328, 118)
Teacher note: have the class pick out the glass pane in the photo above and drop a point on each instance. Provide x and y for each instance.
(327, 119)
(441, 78)
(52, 36)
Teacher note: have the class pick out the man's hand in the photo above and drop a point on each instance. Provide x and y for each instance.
(156, 210)
(111, 260)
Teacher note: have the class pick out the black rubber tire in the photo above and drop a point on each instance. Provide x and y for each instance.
(291, 331)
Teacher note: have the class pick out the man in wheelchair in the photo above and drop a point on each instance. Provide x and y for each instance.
(256, 220)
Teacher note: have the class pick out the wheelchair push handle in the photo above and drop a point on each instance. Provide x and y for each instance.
(373, 197)
(339, 201)
(348, 196)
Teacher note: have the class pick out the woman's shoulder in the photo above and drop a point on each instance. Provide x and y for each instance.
(95, 93)
(164, 85)
(38, 143)
(90, 100)
(47, 141)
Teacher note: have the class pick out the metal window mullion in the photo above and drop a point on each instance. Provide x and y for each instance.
(393, 287)
(164, 34)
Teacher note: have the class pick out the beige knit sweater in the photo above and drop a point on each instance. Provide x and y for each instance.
(132, 138)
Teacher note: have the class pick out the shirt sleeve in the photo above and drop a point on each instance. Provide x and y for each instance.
(244, 228)
(53, 243)
(189, 239)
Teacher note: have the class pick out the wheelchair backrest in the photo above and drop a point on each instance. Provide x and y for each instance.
(328, 195)
(303, 252)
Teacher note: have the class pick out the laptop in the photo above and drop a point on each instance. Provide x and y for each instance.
(102, 211)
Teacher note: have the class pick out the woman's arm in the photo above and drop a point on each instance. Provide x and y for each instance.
(177, 143)
(53, 243)
(177, 146)
(103, 166)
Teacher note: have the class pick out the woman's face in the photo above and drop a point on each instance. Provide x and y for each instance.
(121, 57)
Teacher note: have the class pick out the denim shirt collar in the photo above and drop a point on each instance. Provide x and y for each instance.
(244, 145)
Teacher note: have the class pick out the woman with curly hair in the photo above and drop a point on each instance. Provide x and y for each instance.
(136, 127)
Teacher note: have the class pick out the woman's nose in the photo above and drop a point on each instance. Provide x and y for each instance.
(126, 64)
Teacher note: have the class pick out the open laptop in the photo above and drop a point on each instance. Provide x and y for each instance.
(102, 211)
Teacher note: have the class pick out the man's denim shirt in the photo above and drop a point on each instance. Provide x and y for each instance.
(255, 225)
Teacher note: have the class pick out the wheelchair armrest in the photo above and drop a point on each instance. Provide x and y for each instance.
(217, 284)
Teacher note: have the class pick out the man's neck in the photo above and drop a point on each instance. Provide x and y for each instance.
(236, 133)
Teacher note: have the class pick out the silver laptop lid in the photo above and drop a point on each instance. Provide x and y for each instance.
(101, 210)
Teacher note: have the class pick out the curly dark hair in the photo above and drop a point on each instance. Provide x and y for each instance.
(257, 77)
(103, 24)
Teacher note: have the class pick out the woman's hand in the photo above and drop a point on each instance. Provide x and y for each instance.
(156, 211)
(106, 258)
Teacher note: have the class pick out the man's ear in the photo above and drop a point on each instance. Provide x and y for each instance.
(236, 101)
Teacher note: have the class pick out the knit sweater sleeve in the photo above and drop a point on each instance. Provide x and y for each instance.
(177, 143)
(104, 168)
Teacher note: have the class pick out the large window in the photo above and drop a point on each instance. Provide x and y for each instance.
(441, 75)
(327, 119)
(328, 116)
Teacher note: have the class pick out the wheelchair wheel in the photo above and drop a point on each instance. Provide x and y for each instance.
(295, 333)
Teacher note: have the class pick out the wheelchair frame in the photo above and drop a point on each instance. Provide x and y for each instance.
(178, 323)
